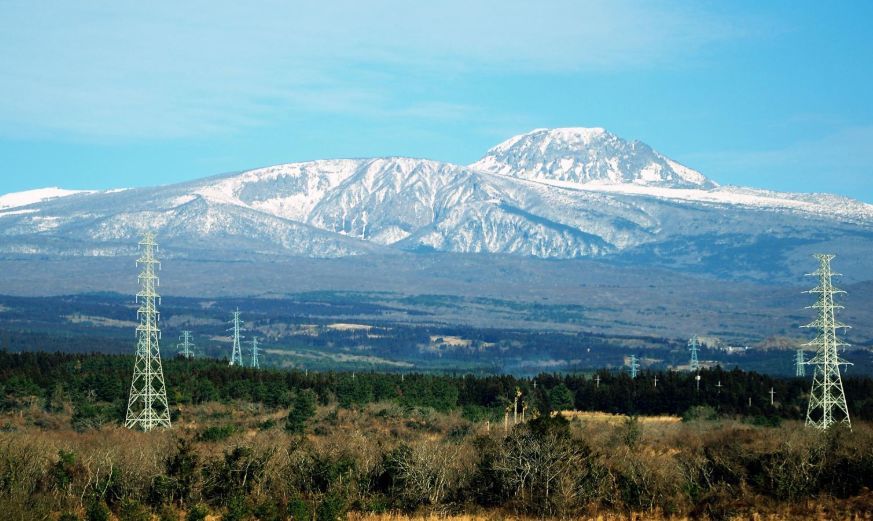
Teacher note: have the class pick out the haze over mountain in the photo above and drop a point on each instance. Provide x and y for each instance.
(551, 193)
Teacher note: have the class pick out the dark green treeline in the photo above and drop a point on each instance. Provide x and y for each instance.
(97, 385)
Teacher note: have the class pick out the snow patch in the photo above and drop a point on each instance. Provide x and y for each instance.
(389, 235)
(28, 197)
(19, 212)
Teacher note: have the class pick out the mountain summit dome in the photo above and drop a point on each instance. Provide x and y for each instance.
(587, 155)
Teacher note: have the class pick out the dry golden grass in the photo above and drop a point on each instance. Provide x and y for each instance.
(615, 419)
(805, 511)
(496, 516)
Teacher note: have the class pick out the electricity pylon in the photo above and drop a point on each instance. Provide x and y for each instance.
(186, 347)
(692, 345)
(255, 354)
(634, 366)
(236, 354)
(827, 402)
(147, 404)
(799, 364)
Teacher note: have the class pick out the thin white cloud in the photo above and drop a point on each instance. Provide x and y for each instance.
(125, 70)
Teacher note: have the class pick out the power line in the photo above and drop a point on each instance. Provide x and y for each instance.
(147, 404)
(799, 364)
(827, 402)
(236, 354)
(692, 345)
(186, 347)
(255, 354)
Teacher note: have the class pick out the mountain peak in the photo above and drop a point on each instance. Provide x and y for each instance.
(587, 155)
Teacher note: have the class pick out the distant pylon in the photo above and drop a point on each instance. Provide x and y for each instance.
(186, 347)
(827, 402)
(634, 366)
(692, 345)
(799, 364)
(236, 355)
(147, 404)
(255, 354)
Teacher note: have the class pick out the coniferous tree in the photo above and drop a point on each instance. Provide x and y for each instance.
(561, 398)
(301, 411)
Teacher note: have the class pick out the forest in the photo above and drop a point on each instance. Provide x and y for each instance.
(277, 445)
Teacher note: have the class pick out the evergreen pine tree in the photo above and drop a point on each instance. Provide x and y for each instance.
(301, 411)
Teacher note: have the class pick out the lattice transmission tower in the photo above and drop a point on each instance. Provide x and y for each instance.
(634, 366)
(147, 404)
(256, 363)
(186, 347)
(827, 402)
(236, 355)
(799, 364)
(692, 346)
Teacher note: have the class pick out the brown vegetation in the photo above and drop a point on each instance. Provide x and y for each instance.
(386, 462)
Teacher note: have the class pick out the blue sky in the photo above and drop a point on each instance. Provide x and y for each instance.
(120, 94)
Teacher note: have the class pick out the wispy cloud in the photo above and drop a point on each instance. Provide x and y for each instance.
(125, 70)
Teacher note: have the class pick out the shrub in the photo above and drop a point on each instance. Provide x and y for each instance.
(331, 508)
(65, 470)
(216, 433)
(182, 468)
(699, 413)
(419, 475)
(168, 513)
(459, 432)
(536, 469)
(237, 509)
(630, 431)
(89, 416)
(301, 412)
(268, 510)
(328, 470)
(132, 510)
(162, 490)
(764, 421)
(97, 511)
(487, 486)
(237, 473)
(197, 512)
(299, 509)
(267, 424)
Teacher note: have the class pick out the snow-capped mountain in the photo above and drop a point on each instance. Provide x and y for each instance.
(582, 155)
(562, 193)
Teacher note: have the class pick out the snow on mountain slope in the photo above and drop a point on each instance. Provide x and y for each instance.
(388, 199)
(421, 204)
(486, 227)
(583, 155)
(186, 220)
(561, 193)
(289, 191)
(825, 205)
(28, 197)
